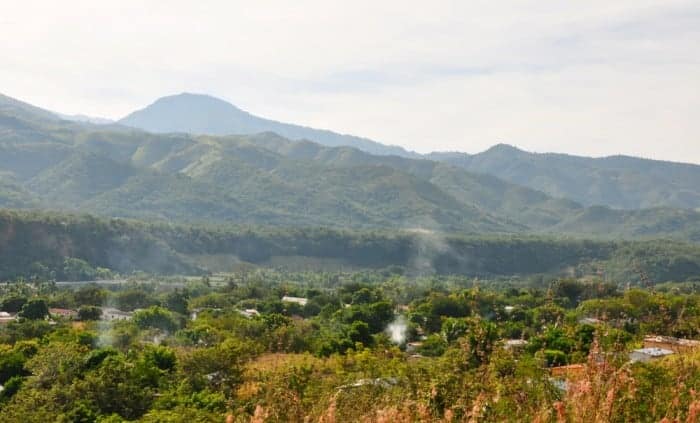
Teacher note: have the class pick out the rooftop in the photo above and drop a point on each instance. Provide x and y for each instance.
(654, 352)
(672, 340)
(299, 300)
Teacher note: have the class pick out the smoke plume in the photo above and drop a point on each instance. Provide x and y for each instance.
(397, 330)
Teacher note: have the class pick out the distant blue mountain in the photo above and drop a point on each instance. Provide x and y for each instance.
(203, 114)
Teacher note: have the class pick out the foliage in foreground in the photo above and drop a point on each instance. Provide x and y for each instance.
(332, 359)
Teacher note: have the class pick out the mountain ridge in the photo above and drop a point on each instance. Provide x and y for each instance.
(206, 114)
(618, 181)
(267, 179)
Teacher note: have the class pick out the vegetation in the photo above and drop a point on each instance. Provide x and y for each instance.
(69, 247)
(277, 280)
(365, 347)
(619, 181)
(266, 179)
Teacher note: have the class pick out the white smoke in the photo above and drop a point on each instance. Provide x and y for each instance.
(397, 330)
(428, 246)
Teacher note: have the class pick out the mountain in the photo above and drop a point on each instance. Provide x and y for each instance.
(10, 107)
(203, 114)
(87, 119)
(264, 178)
(620, 182)
(235, 179)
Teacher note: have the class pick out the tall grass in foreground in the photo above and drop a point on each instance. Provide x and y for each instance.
(611, 391)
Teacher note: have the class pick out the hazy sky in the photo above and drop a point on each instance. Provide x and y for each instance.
(590, 77)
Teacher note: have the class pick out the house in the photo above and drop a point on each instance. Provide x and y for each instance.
(589, 321)
(572, 371)
(514, 344)
(63, 312)
(109, 313)
(249, 313)
(644, 355)
(509, 309)
(297, 300)
(671, 343)
(412, 347)
(6, 317)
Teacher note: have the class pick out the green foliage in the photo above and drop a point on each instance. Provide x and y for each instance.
(160, 366)
(169, 249)
(34, 309)
(176, 301)
(619, 182)
(155, 317)
(89, 313)
(10, 388)
(13, 304)
(109, 171)
(433, 346)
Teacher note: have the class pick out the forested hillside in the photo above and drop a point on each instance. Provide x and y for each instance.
(47, 245)
(618, 181)
(267, 179)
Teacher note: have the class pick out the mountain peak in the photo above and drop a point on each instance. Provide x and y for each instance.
(192, 100)
(503, 148)
(203, 114)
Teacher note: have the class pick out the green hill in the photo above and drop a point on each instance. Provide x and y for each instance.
(267, 179)
(617, 181)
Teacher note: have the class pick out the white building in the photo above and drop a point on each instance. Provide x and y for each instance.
(298, 300)
(249, 313)
(514, 343)
(109, 313)
(648, 354)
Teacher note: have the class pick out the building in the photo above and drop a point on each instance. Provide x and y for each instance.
(249, 313)
(572, 371)
(644, 355)
(412, 347)
(514, 344)
(678, 345)
(6, 317)
(297, 300)
(589, 321)
(110, 314)
(63, 312)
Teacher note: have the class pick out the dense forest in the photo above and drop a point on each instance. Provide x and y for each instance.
(83, 247)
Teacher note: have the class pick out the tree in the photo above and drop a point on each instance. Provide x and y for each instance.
(35, 309)
(90, 295)
(89, 313)
(161, 357)
(359, 332)
(453, 328)
(10, 388)
(77, 270)
(155, 317)
(176, 301)
(133, 299)
(13, 304)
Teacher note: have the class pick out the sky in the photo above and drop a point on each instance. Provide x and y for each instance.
(590, 78)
